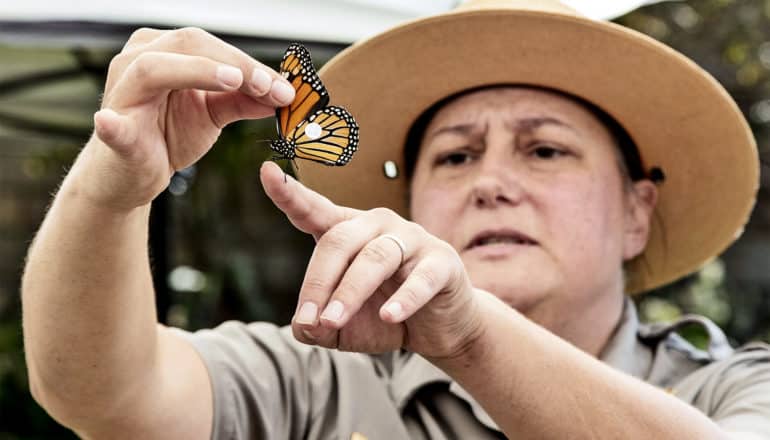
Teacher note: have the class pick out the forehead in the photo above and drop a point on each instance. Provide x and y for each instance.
(517, 102)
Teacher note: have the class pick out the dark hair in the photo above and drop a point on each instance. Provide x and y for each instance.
(631, 165)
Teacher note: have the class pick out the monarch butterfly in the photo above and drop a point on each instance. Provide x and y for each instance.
(307, 128)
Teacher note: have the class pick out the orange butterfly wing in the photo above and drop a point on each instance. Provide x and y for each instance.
(311, 95)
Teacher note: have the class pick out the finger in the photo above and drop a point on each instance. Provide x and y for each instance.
(133, 48)
(154, 73)
(376, 262)
(261, 81)
(331, 257)
(227, 107)
(350, 261)
(307, 210)
(429, 277)
(321, 336)
(116, 131)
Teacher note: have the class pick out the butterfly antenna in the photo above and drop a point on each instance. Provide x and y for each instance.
(255, 132)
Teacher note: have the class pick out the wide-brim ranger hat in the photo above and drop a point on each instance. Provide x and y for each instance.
(680, 118)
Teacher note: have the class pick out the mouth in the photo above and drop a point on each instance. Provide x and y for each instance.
(490, 238)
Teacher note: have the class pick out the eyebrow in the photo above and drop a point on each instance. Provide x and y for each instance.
(524, 124)
(463, 129)
(531, 124)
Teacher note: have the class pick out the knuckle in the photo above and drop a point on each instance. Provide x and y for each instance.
(186, 37)
(142, 65)
(376, 253)
(428, 278)
(382, 212)
(316, 284)
(334, 239)
(409, 297)
(119, 62)
(141, 34)
(348, 290)
(120, 59)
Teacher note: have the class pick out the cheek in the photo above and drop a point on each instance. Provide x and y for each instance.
(588, 221)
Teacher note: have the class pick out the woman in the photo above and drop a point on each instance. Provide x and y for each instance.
(498, 309)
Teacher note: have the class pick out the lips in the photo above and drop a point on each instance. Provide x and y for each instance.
(491, 237)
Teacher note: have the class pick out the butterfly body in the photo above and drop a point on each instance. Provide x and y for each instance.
(307, 128)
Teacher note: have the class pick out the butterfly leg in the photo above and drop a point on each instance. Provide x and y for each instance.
(296, 167)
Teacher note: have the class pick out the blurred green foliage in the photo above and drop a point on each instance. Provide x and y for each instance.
(232, 255)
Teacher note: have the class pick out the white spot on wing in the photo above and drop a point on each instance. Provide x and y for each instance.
(313, 130)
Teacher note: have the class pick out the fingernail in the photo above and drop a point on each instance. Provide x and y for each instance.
(261, 80)
(229, 76)
(282, 92)
(395, 310)
(307, 313)
(333, 311)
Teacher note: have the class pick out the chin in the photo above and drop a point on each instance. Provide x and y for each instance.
(516, 290)
(523, 280)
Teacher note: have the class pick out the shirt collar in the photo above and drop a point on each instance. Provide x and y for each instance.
(624, 351)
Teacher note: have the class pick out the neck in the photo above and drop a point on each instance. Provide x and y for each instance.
(602, 322)
(589, 330)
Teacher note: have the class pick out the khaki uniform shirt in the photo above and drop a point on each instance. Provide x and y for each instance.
(266, 385)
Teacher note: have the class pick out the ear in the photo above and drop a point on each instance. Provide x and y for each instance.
(641, 200)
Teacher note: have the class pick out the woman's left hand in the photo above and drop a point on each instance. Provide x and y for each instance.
(376, 282)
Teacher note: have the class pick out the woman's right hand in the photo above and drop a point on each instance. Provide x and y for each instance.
(167, 97)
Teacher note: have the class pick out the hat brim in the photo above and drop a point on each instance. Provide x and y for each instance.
(681, 119)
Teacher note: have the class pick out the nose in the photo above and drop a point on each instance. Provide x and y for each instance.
(496, 183)
(488, 192)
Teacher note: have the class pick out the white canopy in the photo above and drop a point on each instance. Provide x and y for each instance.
(334, 21)
(50, 50)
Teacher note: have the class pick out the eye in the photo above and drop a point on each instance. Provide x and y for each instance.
(547, 151)
(454, 158)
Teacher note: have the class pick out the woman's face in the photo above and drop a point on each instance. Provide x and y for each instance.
(526, 185)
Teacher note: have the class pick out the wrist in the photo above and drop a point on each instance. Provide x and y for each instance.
(98, 182)
(472, 345)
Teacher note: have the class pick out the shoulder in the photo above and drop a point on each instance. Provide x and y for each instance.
(745, 372)
(734, 391)
(731, 386)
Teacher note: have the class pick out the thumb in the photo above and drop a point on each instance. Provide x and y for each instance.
(117, 131)
(307, 210)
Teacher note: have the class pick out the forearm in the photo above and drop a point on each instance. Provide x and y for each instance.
(88, 307)
(535, 385)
